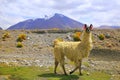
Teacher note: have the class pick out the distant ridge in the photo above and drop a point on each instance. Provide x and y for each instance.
(57, 21)
(108, 27)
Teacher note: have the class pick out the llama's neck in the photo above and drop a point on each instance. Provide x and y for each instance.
(86, 37)
(86, 44)
(86, 40)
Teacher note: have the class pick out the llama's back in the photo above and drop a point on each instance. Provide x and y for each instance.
(66, 49)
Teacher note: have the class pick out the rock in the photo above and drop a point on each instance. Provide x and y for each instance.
(118, 72)
(28, 37)
(68, 37)
(88, 73)
(113, 75)
(109, 45)
(107, 35)
(41, 65)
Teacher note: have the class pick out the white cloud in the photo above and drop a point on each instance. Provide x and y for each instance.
(98, 12)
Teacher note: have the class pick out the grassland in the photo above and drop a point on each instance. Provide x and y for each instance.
(44, 73)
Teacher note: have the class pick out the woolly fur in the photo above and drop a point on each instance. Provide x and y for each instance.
(75, 51)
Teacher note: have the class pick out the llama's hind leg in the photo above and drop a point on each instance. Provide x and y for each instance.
(56, 65)
(80, 63)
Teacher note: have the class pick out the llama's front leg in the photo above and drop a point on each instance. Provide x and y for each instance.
(63, 67)
(78, 66)
(74, 70)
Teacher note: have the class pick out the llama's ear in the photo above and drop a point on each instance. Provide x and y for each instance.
(85, 26)
(91, 26)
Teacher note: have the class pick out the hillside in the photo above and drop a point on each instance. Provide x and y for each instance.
(38, 51)
(57, 21)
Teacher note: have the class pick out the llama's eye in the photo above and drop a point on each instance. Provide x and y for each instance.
(89, 28)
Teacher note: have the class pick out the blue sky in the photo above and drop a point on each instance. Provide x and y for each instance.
(97, 12)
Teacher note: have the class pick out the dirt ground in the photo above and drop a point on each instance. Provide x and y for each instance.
(38, 50)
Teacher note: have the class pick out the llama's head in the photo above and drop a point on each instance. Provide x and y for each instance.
(88, 28)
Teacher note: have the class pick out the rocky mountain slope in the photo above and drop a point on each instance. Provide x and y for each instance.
(38, 51)
(57, 21)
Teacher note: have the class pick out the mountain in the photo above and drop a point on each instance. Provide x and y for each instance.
(57, 21)
(0, 28)
(108, 27)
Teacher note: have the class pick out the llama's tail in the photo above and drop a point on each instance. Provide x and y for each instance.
(57, 41)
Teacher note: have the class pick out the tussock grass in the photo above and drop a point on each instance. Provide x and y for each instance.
(76, 36)
(5, 35)
(21, 37)
(101, 36)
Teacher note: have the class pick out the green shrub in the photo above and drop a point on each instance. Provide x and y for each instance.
(76, 36)
(19, 45)
(101, 36)
(7, 34)
(21, 37)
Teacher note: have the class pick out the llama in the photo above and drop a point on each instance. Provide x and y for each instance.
(75, 51)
